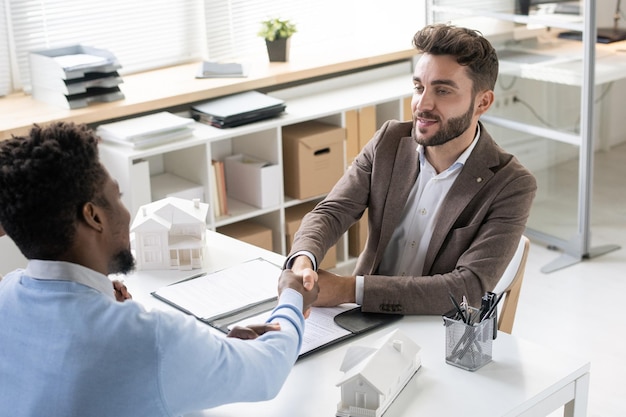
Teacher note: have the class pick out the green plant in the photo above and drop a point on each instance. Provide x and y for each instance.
(273, 29)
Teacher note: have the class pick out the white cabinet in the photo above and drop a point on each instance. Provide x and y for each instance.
(184, 167)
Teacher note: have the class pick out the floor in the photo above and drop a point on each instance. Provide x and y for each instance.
(578, 309)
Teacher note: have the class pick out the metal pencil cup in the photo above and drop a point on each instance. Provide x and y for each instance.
(468, 346)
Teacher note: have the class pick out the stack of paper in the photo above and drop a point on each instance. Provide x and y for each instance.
(145, 131)
(209, 69)
(75, 76)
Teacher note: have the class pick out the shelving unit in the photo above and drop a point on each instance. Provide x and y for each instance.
(578, 247)
(385, 88)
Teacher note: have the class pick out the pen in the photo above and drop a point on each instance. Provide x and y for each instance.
(457, 307)
(492, 308)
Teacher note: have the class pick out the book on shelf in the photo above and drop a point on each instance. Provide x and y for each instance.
(220, 186)
(145, 131)
(215, 197)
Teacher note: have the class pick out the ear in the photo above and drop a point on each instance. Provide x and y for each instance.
(92, 215)
(485, 100)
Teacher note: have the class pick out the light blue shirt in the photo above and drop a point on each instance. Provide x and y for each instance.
(67, 348)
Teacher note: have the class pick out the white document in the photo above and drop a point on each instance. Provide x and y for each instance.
(77, 61)
(223, 292)
(227, 298)
(319, 329)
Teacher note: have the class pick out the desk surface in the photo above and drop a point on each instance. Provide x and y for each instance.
(523, 378)
(561, 61)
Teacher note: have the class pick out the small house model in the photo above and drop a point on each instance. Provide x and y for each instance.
(375, 375)
(170, 234)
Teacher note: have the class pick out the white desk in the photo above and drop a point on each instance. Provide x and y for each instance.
(562, 63)
(523, 378)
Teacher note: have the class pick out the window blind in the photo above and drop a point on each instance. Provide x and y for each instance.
(148, 34)
(143, 34)
(233, 25)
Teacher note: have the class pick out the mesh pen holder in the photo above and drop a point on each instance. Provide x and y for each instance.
(468, 346)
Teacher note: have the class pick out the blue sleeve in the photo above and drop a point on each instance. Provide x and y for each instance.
(200, 368)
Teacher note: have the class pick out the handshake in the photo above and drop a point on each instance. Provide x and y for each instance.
(304, 283)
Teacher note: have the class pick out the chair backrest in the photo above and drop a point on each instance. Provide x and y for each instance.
(510, 284)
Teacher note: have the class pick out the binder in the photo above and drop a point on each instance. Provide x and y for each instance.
(238, 109)
(256, 300)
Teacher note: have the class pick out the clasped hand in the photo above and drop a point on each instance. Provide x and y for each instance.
(287, 279)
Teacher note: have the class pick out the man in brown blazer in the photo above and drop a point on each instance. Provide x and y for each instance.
(446, 205)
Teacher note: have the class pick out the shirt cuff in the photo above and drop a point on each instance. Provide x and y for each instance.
(358, 291)
(306, 253)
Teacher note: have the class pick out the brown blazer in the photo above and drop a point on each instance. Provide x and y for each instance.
(481, 221)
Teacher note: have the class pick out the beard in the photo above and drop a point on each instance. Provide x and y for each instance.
(122, 263)
(449, 131)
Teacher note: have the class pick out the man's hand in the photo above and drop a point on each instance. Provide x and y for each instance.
(289, 279)
(252, 331)
(121, 292)
(302, 266)
(335, 289)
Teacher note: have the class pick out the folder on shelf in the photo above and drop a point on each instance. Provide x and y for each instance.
(238, 109)
(246, 294)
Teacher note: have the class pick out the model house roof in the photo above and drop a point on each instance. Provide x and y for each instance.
(381, 363)
(168, 211)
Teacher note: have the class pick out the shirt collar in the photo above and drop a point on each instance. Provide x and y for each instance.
(460, 161)
(66, 271)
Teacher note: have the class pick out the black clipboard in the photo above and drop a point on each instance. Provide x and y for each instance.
(356, 322)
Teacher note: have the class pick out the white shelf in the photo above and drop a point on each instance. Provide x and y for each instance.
(384, 88)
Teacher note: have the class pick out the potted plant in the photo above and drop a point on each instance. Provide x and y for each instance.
(277, 33)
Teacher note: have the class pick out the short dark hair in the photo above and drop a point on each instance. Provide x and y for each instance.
(469, 47)
(46, 178)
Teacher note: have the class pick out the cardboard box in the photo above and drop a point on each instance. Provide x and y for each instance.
(312, 158)
(252, 181)
(360, 128)
(250, 232)
(293, 219)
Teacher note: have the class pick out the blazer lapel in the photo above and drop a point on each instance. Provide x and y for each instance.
(403, 176)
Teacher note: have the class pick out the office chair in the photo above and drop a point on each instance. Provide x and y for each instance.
(510, 284)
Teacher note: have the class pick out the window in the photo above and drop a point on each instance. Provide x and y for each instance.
(143, 34)
(147, 34)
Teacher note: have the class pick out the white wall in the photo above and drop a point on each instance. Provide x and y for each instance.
(10, 256)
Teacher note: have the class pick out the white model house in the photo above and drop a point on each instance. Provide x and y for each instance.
(170, 234)
(375, 375)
